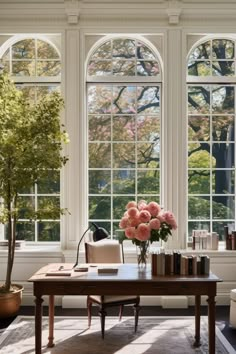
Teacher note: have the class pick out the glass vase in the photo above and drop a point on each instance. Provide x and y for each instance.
(142, 250)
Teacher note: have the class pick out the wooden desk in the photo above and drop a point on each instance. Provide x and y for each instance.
(128, 281)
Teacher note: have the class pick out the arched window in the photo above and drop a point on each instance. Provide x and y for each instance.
(211, 129)
(35, 66)
(124, 127)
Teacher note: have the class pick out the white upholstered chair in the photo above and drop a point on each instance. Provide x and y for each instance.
(108, 251)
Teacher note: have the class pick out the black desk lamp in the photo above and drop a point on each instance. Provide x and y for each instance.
(99, 234)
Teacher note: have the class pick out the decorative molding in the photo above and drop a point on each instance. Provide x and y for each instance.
(174, 12)
(72, 8)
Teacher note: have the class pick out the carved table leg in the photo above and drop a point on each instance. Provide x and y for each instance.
(51, 321)
(211, 324)
(38, 324)
(197, 342)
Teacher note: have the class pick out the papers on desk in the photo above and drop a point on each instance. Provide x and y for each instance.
(59, 272)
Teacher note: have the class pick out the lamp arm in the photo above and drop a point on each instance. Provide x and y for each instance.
(77, 255)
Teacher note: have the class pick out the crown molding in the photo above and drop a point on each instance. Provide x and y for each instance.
(128, 12)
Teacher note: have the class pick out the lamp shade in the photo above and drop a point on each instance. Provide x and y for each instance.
(99, 234)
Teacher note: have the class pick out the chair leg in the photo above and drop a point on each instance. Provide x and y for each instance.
(136, 315)
(121, 312)
(89, 310)
(102, 314)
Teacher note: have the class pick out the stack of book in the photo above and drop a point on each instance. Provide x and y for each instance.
(18, 245)
(174, 263)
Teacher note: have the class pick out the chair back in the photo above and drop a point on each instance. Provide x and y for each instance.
(104, 251)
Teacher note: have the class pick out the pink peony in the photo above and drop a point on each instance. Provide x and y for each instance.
(144, 216)
(170, 219)
(142, 205)
(134, 221)
(132, 204)
(155, 224)
(154, 208)
(130, 232)
(124, 222)
(133, 212)
(161, 217)
(143, 232)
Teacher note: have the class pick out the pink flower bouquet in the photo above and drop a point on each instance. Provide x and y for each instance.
(144, 221)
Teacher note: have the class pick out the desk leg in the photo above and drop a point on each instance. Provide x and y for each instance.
(197, 342)
(51, 321)
(211, 324)
(38, 324)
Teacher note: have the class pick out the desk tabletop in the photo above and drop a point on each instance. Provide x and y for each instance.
(126, 272)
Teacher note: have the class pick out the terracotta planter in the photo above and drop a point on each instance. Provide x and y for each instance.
(10, 302)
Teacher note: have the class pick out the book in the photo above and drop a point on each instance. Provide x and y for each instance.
(107, 270)
(60, 273)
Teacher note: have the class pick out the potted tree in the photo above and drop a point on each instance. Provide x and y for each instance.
(31, 142)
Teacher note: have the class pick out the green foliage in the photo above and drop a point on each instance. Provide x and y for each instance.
(31, 142)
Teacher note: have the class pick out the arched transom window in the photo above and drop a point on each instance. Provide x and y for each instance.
(124, 128)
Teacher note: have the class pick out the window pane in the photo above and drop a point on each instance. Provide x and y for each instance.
(148, 155)
(124, 182)
(23, 68)
(198, 99)
(148, 98)
(143, 52)
(223, 68)
(222, 49)
(203, 51)
(124, 99)
(48, 68)
(49, 231)
(24, 49)
(26, 207)
(99, 182)
(223, 128)
(99, 67)
(147, 68)
(46, 207)
(51, 184)
(223, 99)
(199, 155)
(124, 128)
(25, 230)
(222, 207)
(119, 204)
(104, 51)
(124, 67)
(123, 48)
(99, 99)
(46, 50)
(99, 155)
(199, 207)
(99, 127)
(199, 181)
(149, 182)
(198, 128)
(99, 208)
(123, 155)
(223, 181)
(148, 128)
(199, 68)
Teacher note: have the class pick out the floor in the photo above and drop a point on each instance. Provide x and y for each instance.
(222, 316)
